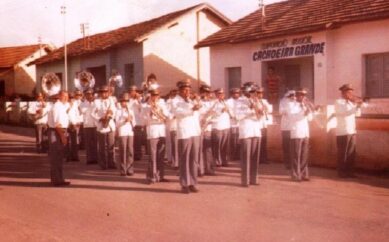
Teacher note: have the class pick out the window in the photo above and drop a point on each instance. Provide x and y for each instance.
(234, 77)
(377, 75)
(129, 74)
(2, 88)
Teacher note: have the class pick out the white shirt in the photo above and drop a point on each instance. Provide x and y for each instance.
(298, 121)
(33, 108)
(249, 124)
(136, 106)
(206, 107)
(58, 116)
(74, 113)
(124, 127)
(266, 119)
(285, 119)
(172, 122)
(232, 105)
(222, 120)
(188, 124)
(155, 127)
(86, 110)
(99, 110)
(345, 113)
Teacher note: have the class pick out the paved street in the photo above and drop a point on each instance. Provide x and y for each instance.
(102, 206)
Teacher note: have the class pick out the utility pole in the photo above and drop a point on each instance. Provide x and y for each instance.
(63, 12)
(85, 34)
(261, 5)
(40, 45)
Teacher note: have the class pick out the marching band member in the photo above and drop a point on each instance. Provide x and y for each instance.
(140, 138)
(58, 121)
(346, 109)
(155, 114)
(75, 119)
(104, 112)
(234, 131)
(125, 122)
(265, 120)
(206, 157)
(188, 130)
(89, 129)
(172, 128)
(286, 101)
(299, 114)
(115, 82)
(220, 129)
(248, 113)
(38, 111)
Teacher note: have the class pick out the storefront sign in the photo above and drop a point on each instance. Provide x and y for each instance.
(281, 49)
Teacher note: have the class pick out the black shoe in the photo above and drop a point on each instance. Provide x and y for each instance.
(163, 180)
(193, 189)
(305, 179)
(185, 190)
(225, 165)
(130, 173)
(150, 182)
(200, 175)
(244, 185)
(62, 184)
(210, 174)
(254, 183)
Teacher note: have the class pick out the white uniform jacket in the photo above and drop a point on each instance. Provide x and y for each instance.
(86, 108)
(123, 126)
(285, 119)
(249, 124)
(100, 108)
(58, 115)
(222, 120)
(345, 113)
(155, 127)
(188, 121)
(75, 116)
(232, 103)
(34, 107)
(299, 121)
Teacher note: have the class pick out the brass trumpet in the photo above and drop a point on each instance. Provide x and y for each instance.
(257, 106)
(156, 111)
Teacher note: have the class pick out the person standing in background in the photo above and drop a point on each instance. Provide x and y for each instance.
(286, 101)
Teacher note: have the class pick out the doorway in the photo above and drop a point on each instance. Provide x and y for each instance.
(99, 74)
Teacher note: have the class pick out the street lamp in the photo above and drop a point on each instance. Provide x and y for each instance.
(63, 12)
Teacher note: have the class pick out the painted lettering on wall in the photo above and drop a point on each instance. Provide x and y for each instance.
(280, 49)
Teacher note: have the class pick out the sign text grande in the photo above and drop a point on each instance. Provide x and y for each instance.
(280, 49)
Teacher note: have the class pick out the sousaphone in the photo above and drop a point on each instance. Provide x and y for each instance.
(51, 84)
(84, 80)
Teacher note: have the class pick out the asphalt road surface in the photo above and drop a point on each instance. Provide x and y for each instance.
(102, 206)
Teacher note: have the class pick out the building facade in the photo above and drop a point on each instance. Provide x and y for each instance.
(163, 46)
(320, 47)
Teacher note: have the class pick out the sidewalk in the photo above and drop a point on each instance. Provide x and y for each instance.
(102, 206)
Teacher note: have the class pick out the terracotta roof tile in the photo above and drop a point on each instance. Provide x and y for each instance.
(124, 35)
(10, 56)
(299, 16)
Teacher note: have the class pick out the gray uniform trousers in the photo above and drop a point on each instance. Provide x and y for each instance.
(56, 156)
(250, 149)
(156, 170)
(90, 137)
(188, 158)
(346, 149)
(234, 143)
(220, 146)
(106, 149)
(263, 156)
(73, 142)
(126, 155)
(174, 148)
(208, 162)
(299, 149)
(40, 130)
(286, 148)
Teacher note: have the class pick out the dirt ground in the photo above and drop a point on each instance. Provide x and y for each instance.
(102, 206)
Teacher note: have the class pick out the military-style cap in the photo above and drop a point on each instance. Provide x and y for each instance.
(260, 89)
(290, 93)
(248, 84)
(154, 92)
(89, 90)
(104, 88)
(205, 88)
(346, 87)
(124, 97)
(302, 90)
(183, 84)
(77, 93)
(132, 88)
(219, 90)
(235, 90)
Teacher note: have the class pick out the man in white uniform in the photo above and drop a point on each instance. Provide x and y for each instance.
(286, 101)
(38, 111)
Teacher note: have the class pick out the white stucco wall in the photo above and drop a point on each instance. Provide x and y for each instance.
(169, 52)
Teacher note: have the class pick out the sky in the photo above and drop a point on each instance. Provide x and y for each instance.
(23, 22)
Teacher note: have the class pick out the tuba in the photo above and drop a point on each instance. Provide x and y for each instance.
(51, 84)
(84, 80)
